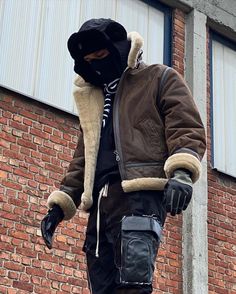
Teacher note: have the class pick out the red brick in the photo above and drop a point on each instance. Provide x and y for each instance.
(47, 151)
(23, 173)
(65, 157)
(26, 252)
(56, 277)
(26, 144)
(47, 129)
(4, 143)
(5, 281)
(39, 133)
(27, 122)
(28, 114)
(3, 174)
(11, 185)
(7, 137)
(57, 140)
(3, 120)
(23, 286)
(13, 266)
(54, 168)
(25, 151)
(47, 121)
(19, 126)
(42, 290)
(20, 235)
(36, 272)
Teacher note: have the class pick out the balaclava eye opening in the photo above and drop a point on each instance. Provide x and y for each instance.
(94, 35)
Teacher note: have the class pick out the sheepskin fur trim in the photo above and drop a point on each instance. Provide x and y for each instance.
(89, 101)
(136, 45)
(144, 184)
(183, 160)
(64, 201)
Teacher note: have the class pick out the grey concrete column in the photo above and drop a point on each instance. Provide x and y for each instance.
(195, 243)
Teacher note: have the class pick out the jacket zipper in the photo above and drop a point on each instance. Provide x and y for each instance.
(156, 163)
(116, 127)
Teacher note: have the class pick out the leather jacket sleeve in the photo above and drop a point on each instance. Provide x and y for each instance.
(69, 195)
(72, 183)
(184, 130)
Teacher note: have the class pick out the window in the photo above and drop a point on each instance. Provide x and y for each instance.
(223, 94)
(33, 38)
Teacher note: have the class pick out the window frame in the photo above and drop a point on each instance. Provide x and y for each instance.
(215, 36)
(168, 28)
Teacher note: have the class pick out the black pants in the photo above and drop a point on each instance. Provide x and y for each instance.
(129, 236)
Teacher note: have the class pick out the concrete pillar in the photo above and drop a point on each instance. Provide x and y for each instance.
(195, 242)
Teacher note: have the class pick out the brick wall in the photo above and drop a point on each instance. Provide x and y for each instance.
(221, 221)
(36, 145)
(37, 142)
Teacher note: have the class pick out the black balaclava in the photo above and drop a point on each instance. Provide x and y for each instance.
(96, 34)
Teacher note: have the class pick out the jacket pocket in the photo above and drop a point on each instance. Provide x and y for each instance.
(155, 137)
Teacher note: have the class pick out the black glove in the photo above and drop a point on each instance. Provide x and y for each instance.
(49, 224)
(178, 192)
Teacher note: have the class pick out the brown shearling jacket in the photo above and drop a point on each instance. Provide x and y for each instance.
(157, 130)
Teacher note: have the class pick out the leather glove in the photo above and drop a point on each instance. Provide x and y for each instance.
(178, 192)
(49, 224)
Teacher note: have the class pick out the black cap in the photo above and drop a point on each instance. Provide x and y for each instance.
(95, 34)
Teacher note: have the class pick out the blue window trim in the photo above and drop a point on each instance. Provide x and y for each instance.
(215, 36)
(167, 60)
(211, 99)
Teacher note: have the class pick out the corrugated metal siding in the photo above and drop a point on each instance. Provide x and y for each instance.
(55, 67)
(33, 39)
(224, 108)
(20, 28)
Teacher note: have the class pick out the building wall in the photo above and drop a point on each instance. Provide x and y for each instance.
(221, 219)
(37, 143)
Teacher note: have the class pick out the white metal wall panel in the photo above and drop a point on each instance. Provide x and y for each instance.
(55, 66)
(34, 58)
(97, 8)
(224, 108)
(155, 38)
(19, 44)
(134, 16)
(149, 22)
(1, 16)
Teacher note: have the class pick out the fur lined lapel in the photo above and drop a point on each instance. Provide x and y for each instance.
(136, 45)
(89, 102)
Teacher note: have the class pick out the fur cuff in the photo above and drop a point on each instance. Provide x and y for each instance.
(183, 160)
(143, 184)
(64, 201)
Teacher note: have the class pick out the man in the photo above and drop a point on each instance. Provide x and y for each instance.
(138, 154)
